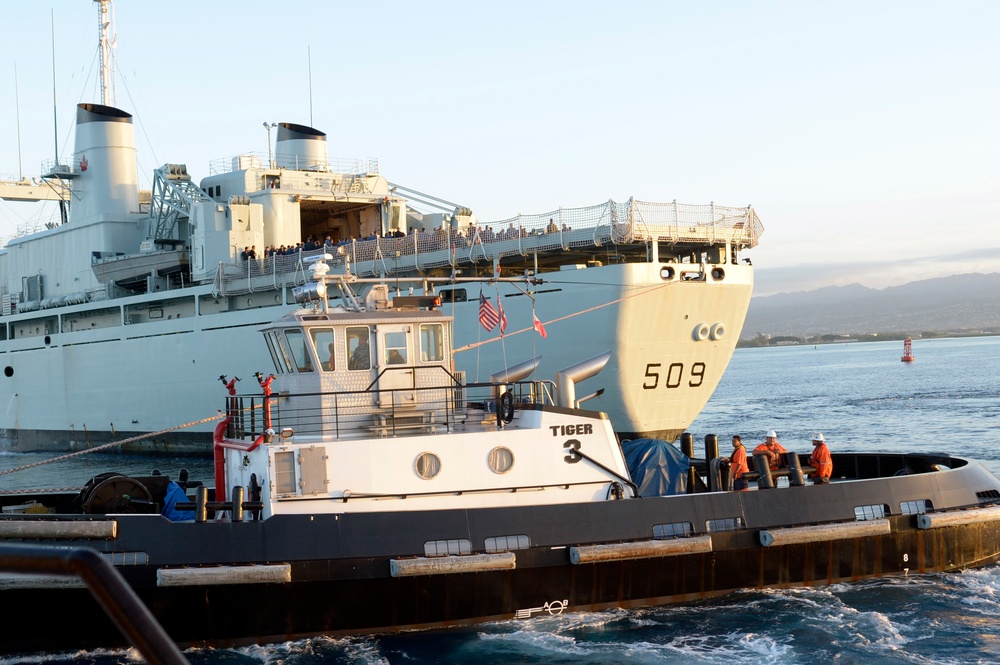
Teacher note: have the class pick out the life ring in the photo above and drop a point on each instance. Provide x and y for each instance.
(718, 331)
(701, 332)
(505, 407)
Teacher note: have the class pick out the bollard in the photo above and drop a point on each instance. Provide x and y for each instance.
(238, 503)
(711, 447)
(795, 476)
(687, 444)
(201, 505)
(692, 479)
(687, 447)
(712, 454)
(763, 467)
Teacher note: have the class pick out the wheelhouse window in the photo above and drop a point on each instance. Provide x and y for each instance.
(276, 354)
(281, 342)
(431, 342)
(395, 348)
(358, 348)
(453, 295)
(301, 359)
(323, 341)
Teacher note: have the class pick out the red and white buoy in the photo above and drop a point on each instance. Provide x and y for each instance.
(907, 351)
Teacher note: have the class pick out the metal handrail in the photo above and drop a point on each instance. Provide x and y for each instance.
(119, 601)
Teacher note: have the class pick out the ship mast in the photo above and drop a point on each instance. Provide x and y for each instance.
(109, 41)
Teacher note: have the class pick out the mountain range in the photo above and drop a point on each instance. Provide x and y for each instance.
(959, 303)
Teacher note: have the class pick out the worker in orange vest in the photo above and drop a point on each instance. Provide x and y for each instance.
(738, 463)
(772, 449)
(821, 460)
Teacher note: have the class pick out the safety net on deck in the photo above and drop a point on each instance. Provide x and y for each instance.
(629, 223)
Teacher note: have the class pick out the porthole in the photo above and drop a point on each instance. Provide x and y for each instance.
(8, 371)
(666, 273)
(718, 274)
(48, 340)
(427, 465)
(501, 460)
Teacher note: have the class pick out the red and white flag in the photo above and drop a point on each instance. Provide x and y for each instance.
(503, 317)
(538, 326)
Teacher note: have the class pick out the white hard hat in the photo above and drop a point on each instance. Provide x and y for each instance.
(772, 435)
(818, 437)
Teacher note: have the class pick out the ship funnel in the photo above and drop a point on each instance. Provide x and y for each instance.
(106, 183)
(516, 372)
(301, 148)
(567, 379)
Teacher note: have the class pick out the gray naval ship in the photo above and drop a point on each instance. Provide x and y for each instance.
(117, 311)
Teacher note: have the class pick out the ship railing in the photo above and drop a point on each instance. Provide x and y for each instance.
(668, 222)
(847, 466)
(385, 412)
(263, 160)
(610, 223)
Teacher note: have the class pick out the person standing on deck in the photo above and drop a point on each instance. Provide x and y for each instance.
(738, 464)
(772, 449)
(821, 460)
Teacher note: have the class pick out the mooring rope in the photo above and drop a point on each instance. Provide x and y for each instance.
(95, 449)
(562, 318)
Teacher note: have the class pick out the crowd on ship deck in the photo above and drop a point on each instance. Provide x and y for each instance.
(399, 243)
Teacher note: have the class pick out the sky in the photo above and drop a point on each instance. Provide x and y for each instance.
(865, 134)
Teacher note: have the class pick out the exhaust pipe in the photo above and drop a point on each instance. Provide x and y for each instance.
(567, 379)
(516, 372)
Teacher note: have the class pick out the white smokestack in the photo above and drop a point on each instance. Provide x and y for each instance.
(301, 148)
(106, 186)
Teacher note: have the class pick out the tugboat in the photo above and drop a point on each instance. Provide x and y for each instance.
(368, 487)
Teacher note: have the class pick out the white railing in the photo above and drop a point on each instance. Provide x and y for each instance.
(257, 160)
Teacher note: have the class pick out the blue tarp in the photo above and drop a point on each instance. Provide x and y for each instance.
(656, 466)
(175, 494)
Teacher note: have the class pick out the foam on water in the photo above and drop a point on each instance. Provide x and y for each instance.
(95, 657)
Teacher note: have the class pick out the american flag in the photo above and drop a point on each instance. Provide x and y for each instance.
(503, 317)
(487, 313)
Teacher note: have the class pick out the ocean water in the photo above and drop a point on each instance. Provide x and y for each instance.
(860, 396)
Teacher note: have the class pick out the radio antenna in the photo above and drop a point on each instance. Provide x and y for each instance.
(63, 217)
(17, 115)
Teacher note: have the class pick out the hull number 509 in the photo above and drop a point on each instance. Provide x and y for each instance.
(673, 375)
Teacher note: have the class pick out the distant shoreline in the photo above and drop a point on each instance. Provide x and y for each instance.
(762, 340)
